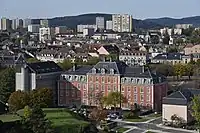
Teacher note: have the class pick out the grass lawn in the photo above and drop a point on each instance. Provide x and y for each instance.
(121, 130)
(60, 118)
(150, 132)
(154, 115)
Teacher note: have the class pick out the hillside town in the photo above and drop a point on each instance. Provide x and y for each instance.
(109, 76)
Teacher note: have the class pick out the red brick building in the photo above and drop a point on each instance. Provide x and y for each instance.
(137, 84)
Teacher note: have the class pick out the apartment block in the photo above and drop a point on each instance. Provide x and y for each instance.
(34, 28)
(122, 23)
(5, 24)
(44, 23)
(109, 25)
(16, 23)
(81, 27)
(100, 22)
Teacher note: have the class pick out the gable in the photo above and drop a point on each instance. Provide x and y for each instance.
(103, 51)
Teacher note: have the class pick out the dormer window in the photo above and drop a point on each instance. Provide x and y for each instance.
(111, 71)
(93, 70)
(102, 71)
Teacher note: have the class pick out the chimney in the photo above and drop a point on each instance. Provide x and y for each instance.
(143, 69)
(74, 67)
(110, 59)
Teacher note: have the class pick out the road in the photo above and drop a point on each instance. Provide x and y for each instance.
(141, 127)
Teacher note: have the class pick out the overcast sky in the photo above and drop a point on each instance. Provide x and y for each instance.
(138, 8)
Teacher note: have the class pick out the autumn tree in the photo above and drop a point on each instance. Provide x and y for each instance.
(18, 100)
(196, 110)
(42, 97)
(7, 84)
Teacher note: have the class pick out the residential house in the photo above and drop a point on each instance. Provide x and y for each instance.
(191, 49)
(10, 59)
(195, 57)
(80, 85)
(55, 55)
(30, 76)
(132, 58)
(171, 58)
(179, 104)
(108, 50)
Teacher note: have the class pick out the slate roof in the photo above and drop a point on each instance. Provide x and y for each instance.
(79, 70)
(119, 68)
(111, 48)
(181, 97)
(168, 56)
(44, 67)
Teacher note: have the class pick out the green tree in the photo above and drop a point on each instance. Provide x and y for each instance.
(32, 60)
(114, 99)
(36, 122)
(7, 83)
(179, 70)
(42, 97)
(27, 112)
(196, 110)
(189, 70)
(18, 100)
(93, 61)
(66, 64)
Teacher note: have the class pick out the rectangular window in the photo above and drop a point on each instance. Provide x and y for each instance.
(108, 79)
(135, 97)
(97, 86)
(114, 88)
(115, 80)
(148, 97)
(96, 79)
(129, 89)
(102, 88)
(78, 86)
(122, 88)
(141, 90)
(85, 94)
(108, 87)
(148, 90)
(102, 79)
(135, 89)
(141, 97)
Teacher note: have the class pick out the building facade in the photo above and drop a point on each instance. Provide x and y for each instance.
(134, 58)
(184, 26)
(45, 33)
(192, 49)
(122, 23)
(34, 28)
(5, 24)
(172, 58)
(44, 23)
(109, 25)
(179, 104)
(16, 23)
(100, 22)
(81, 27)
(38, 75)
(27, 22)
(137, 84)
